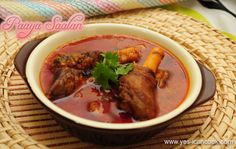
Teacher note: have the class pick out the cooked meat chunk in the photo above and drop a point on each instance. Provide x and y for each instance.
(64, 60)
(69, 69)
(94, 106)
(82, 61)
(162, 77)
(66, 82)
(137, 92)
(87, 60)
(129, 55)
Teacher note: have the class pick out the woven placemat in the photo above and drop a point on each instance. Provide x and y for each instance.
(24, 123)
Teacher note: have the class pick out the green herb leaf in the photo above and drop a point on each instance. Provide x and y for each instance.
(103, 75)
(108, 70)
(111, 59)
(123, 69)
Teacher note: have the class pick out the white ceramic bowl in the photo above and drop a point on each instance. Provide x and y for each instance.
(39, 54)
(111, 133)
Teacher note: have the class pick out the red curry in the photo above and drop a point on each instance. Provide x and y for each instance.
(167, 99)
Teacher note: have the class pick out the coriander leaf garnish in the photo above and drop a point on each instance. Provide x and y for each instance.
(124, 69)
(111, 59)
(103, 74)
(109, 70)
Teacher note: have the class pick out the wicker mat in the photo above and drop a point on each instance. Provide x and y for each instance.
(26, 124)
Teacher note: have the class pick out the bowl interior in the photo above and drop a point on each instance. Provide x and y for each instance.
(37, 57)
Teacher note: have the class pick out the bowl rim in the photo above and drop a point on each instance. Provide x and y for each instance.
(112, 126)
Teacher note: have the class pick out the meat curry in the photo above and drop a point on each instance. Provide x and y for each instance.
(114, 78)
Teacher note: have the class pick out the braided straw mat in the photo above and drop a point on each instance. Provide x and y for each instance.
(26, 124)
